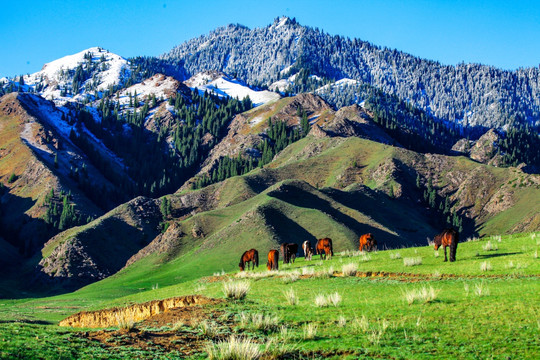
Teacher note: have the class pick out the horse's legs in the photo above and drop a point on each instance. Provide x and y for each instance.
(445, 258)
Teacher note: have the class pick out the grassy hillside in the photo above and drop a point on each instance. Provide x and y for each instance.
(481, 306)
(317, 187)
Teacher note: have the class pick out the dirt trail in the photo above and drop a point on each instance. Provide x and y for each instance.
(132, 313)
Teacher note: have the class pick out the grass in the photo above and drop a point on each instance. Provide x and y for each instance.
(412, 261)
(425, 294)
(236, 290)
(234, 349)
(470, 314)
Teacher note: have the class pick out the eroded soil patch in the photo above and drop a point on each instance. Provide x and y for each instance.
(132, 313)
(170, 331)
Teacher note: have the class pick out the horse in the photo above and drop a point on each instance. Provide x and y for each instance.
(367, 242)
(249, 257)
(285, 252)
(324, 248)
(448, 238)
(289, 252)
(293, 250)
(308, 250)
(273, 259)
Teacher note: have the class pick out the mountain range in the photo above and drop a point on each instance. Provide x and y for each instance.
(247, 137)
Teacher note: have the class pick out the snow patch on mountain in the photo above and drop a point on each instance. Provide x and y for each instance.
(337, 85)
(222, 85)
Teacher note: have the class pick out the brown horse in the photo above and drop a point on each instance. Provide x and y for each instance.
(273, 259)
(367, 242)
(324, 248)
(249, 257)
(289, 252)
(448, 238)
(285, 252)
(293, 250)
(308, 250)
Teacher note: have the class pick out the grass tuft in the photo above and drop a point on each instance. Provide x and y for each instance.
(349, 269)
(258, 321)
(481, 290)
(395, 256)
(423, 295)
(413, 261)
(290, 296)
(489, 246)
(310, 331)
(486, 266)
(208, 328)
(234, 349)
(236, 290)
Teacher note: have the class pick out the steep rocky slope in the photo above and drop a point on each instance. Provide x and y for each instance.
(35, 158)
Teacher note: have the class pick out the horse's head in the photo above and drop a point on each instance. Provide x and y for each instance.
(437, 241)
(242, 266)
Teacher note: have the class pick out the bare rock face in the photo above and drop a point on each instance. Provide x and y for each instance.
(317, 132)
(485, 149)
(354, 121)
(463, 146)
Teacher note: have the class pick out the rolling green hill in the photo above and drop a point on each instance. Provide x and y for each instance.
(317, 187)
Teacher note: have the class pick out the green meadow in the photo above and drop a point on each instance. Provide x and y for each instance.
(399, 304)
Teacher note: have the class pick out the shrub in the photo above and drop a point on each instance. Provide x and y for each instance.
(12, 178)
(349, 269)
(234, 348)
(412, 261)
(236, 290)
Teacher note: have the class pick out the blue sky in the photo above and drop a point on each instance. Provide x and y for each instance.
(505, 34)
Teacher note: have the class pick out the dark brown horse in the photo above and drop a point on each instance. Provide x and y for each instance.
(367, 242)
(249, 257)
(289, 252)
(448, 238)
(273, 259)
(324, 248)
(308, 250)
(293, 250)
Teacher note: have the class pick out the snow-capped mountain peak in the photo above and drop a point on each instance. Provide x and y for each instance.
(90, 70)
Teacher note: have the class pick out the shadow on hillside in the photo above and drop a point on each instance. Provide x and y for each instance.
(393, 214)
(299, 197)
(286, 229)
